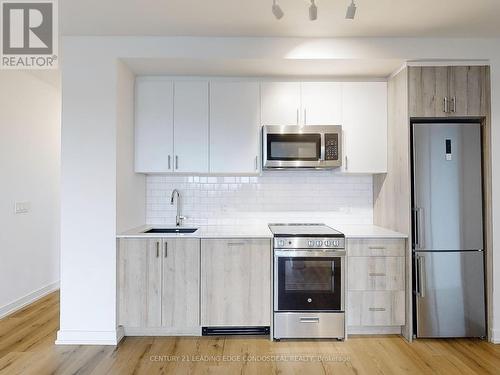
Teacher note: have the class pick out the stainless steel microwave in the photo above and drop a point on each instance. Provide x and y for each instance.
(292, 147)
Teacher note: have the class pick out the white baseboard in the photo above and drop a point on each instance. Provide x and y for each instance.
(495, 336)
(70, 337)
(27, 299)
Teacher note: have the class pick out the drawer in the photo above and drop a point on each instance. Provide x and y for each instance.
(376, 247)
(376, 273)
(309, 325)
(376, 308)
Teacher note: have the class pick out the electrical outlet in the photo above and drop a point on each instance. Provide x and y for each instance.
(22, 207)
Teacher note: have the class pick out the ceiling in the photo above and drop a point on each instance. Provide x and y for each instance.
(374, 68)
(424, 18)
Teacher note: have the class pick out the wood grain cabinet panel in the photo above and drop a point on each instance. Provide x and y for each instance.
(376, 247)
(376, 308)
(428, 88)
(139, 283)
(181, 283)
(376, 273)
(448, 91)
(468, 90)
(235, 282)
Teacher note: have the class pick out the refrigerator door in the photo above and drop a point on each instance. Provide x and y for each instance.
(447, 187)
(450, 294)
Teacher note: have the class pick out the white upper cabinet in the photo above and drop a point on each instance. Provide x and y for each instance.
(234, 127)
(321, 103)
(153, 125)
(191, 127)
(364, 126)
(280, 103)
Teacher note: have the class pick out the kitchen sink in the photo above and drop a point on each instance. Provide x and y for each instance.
(172, 230)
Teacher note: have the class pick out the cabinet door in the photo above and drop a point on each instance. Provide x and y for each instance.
(428, 88)
(234, 127)
(139, 283)
(235, 282)
(153, 125)
(191, 127)
(181, 284)
(364, 126)
(468, 88)
(280, 103)
(322, 103)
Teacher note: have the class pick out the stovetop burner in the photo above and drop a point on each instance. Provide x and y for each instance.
(303, 230)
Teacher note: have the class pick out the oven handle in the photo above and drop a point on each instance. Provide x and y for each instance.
(309, 253)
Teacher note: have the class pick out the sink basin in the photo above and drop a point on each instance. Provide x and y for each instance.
(172, 230)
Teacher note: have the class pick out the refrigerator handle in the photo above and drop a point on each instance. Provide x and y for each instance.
(415, 228)
(421, 276)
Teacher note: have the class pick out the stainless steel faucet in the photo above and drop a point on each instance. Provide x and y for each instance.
(178, 217)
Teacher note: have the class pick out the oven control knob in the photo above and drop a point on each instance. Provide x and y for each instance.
(336, 243)
(319, 243)
(310, 243)
(309, 300)
(281, 243)
(328, 243)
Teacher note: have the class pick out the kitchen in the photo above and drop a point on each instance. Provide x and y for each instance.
(298, 194)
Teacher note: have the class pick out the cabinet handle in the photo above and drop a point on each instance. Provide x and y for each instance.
(376, 247)
(256, 163)
(305, 116)
(297, 116)
(454, 104)
(157, 249)
(376, 309)
(446, 105)
(176, 162)
(169, 165)
(376, 274)
(346, 165)
(166, 249)
(236, 244)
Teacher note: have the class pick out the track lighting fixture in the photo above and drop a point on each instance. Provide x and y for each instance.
(313, 11)
(351, 11)
(277, 11)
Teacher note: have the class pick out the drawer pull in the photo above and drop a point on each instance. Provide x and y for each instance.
(236, 244)
(376, 274)
(376, 247)
(376, 309)
(309, 320)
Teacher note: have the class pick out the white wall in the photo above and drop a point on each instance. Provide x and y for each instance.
(30, 171)
(130, 187)
(89, 148)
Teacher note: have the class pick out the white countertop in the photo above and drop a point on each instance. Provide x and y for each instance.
(257, 231)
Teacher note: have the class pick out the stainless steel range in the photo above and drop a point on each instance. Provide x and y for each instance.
(309, 281)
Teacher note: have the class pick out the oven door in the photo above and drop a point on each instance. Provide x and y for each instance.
(308, 281)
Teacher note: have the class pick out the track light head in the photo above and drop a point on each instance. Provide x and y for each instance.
(313, 11)
(277, 11)
(351, 11)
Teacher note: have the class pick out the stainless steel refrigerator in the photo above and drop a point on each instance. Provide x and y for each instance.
(448, 254)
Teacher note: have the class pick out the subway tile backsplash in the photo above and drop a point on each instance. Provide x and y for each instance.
(284, 196)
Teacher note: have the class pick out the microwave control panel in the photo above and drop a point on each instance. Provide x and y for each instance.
(332, 146)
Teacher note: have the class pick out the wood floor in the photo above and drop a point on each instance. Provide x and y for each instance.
(27, 347)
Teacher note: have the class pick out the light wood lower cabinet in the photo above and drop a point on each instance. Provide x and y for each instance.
(235, 282)
(376, 285)
(139, 283)
(158, 286)
(379, 308)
